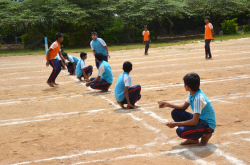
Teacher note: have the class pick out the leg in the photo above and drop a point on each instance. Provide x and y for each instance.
(194, 133)
(101, 84)
(58, 70)
(53, 73)
(209, 52)
(88, 71)
(134, 94)
(70, 68)
(180, 115)
(146, 47)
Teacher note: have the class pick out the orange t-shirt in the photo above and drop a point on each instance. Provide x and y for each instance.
(53, 53)
(208, 31)
(146, 35)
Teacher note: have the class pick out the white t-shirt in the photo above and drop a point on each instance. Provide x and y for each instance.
(127, 81)
(210, 26)
(70, 58)
(101, 70)
(199, 103)
(82, 64)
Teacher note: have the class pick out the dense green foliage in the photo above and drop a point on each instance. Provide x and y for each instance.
(229, 26)
(117, 21)
(246, 28)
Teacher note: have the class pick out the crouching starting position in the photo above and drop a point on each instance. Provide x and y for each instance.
(82, 70)
(71, 65)
(202, 123)
(105, 75)
(124, 92)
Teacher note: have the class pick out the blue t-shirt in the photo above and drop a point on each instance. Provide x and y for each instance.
(123, 81)
(200, 104)
(105, 72)
(98, 46)
(80, 65)
(73, 59)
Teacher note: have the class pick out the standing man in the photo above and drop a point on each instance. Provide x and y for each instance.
(146, 39)
(98, 45)
(54, 63)
(209, 32)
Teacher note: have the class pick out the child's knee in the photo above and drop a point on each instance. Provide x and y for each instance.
(180, 131)
(174, 112)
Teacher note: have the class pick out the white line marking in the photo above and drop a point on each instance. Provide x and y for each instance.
(242, 132)
(117, 158)
(202, 82)
(77, 155)
(36, 118)
(176, 59)
(231, 159)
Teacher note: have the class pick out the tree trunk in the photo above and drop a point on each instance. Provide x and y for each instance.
(154, 29)
(216, 25)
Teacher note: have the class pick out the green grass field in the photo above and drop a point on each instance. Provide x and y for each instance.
(113, 47)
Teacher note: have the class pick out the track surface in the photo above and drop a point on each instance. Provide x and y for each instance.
(72, 124)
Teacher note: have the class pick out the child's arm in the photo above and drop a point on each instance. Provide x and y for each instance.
(63, 64)
(163, 104)
(48, 53)
(107, 51)
(74, 65)
(192, 122)
(127, 98)
(93, 51)
(84, 74)
(95, 80)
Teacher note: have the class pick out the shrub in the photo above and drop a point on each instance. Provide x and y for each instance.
(0, 45)
(229, 26)
(246, 28)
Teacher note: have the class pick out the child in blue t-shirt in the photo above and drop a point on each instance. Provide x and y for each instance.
(105, 75)
(60, 60)
(71, 65)
(82, 70)
(124, 92)
(202, 123)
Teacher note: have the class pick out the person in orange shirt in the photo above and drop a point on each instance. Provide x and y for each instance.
(54, 63)
(209, 32)
(146, 39)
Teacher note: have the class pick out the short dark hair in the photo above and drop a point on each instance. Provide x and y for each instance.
(62, 50)
(192, 80)
(207, 17)
(99, 56)
(83, 54)
(64, 54)
(145, 26)
(58, 35)
(95, 33)
(127, 66)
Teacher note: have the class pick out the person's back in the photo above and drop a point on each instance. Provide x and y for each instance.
(204, 107)
(107, 74)
(125, 93)
(120, 86)
(75, 59)
(78, 68)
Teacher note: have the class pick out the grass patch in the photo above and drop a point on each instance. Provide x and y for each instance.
(155, 44)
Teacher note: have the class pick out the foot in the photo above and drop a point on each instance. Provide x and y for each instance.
(54, 83)
(50, 84)
(204, 140)
(121, 105)
(79, 78)
(190, 141)
(104, 90)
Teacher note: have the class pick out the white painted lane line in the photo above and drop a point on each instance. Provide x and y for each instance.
(242, 132)
(46, 117)
(202, 82)
(176, 59)
(117, 158)
(77, 155)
